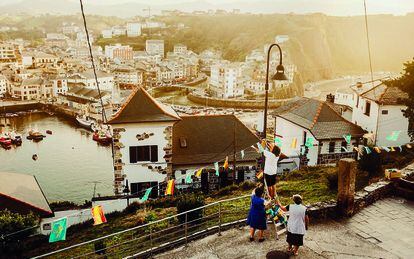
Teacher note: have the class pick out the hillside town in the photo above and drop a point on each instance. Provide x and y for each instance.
(117, 141)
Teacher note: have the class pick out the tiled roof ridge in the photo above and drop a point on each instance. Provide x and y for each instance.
(316, 117)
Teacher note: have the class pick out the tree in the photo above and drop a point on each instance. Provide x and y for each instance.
(406, 83)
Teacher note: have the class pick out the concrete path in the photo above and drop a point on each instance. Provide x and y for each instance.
(382, 230)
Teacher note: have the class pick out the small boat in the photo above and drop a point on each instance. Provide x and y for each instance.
(35, 135)
(85, 121)
(102, 137)
(5, 141)
(16, 139)
(49, 132)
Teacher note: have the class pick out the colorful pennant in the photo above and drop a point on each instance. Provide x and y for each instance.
(294, 143)
(226, 163)
(188, 178)
(199, 171)
(278, 141)
(377, 149)
(261, 149)
(392, 149)
(386, 149)
(58, 230)
(170, 187)
(409, 146)
(309, 142)
(394, 135)
(347, 138)
(216, 166)
(242, 154)
(344, 149)
(146, 194)
(98, 215)
(368, 150)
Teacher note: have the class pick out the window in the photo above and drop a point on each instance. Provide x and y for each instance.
(384, 112)
(367, 108)
(332, 147)
(143, 153)
(183, 142)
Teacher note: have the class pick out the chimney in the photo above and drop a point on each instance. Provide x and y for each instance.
(330, 98)
(358, 84)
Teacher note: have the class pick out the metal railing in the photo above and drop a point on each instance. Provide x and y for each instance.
(160, 235)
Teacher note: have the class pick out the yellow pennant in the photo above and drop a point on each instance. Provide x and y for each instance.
(199, 171)
(408, 146)
(294, 142)
(392, 149)
(226, 163)
(377, 149)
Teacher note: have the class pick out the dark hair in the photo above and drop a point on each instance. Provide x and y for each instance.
(258, 191)
(276, 150)
(297, 199)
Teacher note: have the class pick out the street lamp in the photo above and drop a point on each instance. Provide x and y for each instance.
(279, 76)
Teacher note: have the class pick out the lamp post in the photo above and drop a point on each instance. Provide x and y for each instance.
(279, 76)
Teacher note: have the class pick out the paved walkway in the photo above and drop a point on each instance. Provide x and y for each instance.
(382, 230)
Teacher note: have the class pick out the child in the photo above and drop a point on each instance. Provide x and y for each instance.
(272, 157)
(297, 223)
(257, 214)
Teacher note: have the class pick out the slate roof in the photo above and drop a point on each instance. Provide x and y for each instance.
(22, 193)
(319, 118)
(142, 107)
(209, 138)
(81, 91)
(386, 95)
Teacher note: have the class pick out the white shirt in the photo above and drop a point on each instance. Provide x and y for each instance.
(270, 167)
(296, 222)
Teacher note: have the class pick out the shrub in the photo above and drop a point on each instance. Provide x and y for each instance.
(150, 217)
(247, 185)
(226, 190)
(189, 202)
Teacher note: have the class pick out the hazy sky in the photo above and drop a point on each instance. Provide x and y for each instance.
(331, 7)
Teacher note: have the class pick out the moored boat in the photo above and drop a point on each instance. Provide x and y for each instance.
(102, 137)
(16, 139)
(85, 121)
(5, 141)
(35, 135)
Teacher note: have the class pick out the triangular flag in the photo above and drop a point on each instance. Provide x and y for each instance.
(408, 146)
(377, 149)
(188, 178)
(394, 135)
(199, 171)
(386, 149)
(368, 150)
(98, 215)
(278, 141)
(226, 163)
(345, 150)
(242, 154)
(400, 147)
(294, 142)
(347, 138)
(58, 230)
(309, 142)
(392, 149)
(216, 166)
(146, 194)
(170, 187)
(261, 149)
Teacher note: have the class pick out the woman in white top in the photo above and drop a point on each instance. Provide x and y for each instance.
(297, 223)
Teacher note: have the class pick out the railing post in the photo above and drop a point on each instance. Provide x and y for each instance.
(186, 229)
(219, 219)
(150, 241)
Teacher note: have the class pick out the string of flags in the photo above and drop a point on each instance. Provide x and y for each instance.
(98, 215)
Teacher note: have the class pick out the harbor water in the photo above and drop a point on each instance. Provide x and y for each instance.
(69, 163)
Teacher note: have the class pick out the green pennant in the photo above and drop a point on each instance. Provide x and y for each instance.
(216, 166)
(347, 138)
(278, 141)
(58, 230)
(309, 142)
(146, 195)
(188, 178)
(394, 135)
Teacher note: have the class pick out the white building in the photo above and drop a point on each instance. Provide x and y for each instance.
(56, 36)
(87, 79)
(316, 123)
(379, 111)
(226, 80)
(8, 53)
(155, 47)
(180, 49)
(151, 142)
(59, 86)
(134, 29)
(107, 33)
(127, 76)
(118, 30)
(3, 85)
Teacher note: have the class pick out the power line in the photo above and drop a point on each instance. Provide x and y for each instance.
(369, 46)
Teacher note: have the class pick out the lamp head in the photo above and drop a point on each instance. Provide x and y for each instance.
(280, 73)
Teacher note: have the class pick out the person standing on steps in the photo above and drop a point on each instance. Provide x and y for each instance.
(297, 224)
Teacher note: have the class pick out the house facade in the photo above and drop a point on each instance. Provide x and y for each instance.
(314, 132)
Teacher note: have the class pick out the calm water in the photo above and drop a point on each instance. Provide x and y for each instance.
(69, 161)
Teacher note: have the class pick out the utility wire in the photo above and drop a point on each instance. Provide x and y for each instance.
(369, 46)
